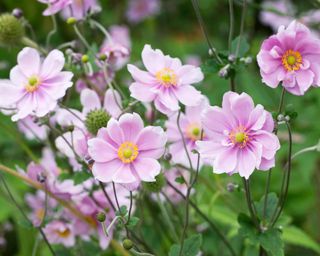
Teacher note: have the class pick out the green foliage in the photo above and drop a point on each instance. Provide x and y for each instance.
(191, 246)
(272, 201)
(77, 177)
(243, 46)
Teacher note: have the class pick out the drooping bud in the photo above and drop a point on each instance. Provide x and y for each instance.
(18, 13)
(11, 30)
(155, 186)
(127, 244)
(101, 217)
(167, 156)
(96, 119)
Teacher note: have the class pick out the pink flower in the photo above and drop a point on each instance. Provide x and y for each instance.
(291, 57)
(167, 82)
(191, 127)
(31, 129)
(139, 10)
(97, 79)
(126, 151)
(117, 47)
(275, 20)
(240, 136)
(80, 8)
(58, 232)
(54, 6)
(35, 86)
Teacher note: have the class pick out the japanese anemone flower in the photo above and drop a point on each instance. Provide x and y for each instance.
(126, 151)
(291, 57)
(240, 136)
(166, 81)
(35, 85)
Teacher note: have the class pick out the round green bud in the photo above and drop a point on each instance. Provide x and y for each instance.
(85, 58)
(71, 21)
(11, 30)
(155, 186)
(127, 244)
(102, 57)
(96, 119)
(101, 217)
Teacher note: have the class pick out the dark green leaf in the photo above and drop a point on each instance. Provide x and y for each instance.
(133, 222)
(191, 246)
(211, 66)
(271, 241)
(180, 180)
(243, 47)
(272, 201)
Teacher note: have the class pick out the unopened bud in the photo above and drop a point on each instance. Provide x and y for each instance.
(18, 13)
(167, 156)
(287, 118)
(71, 21)
(231, 57)
(102, 57)
(223, 72)
(127, 244)
(231, 187)
(85, 58)
(96, 119)
(101, 217)
(280, 118)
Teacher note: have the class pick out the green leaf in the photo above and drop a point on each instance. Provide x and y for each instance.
(243, 47)
(123, 211)
(77, 177)
(133, 222)
(180, 180)
(191, 246)
(211, 66)
(221, 214)
(272, 201)
(247, 228)
(296, 236)
(271, 241)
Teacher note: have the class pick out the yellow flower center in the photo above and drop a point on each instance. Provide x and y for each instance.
(239, 136)
(40, 213)
(167, 77)
(65, 233)
(33, 84)
(291, 60)
(193, 132)
(128, 152)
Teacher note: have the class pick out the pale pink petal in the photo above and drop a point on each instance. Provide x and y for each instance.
(153, 60)
(141, 76)
(89, 100)
(241, 106)
(246, 162)
(188, 95)
(101, 151)
(142, 92)
(115, 132)
(29, 61)
(17, 77)
(105, 171)
(131, 125)
(189, 74)
(9, 93)
(124, 175)
(147, 168)
(226, 161)
(52, 64)
(25, 107)
(112, 103)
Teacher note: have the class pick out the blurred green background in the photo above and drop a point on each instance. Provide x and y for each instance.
(175, 30)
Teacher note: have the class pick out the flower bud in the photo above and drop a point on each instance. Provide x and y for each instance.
(287, 118)
(127, 244)
(71, 21)
(156, 186)
(96, 119)
(231, 57)
(280, 117)
(231, 187)
(102, 57)
(167, 156)
(223, 73)
(18, 13)
(85, 58)
(11, 30)
(101, 217)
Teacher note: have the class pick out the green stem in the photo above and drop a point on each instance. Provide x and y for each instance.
(251, 208)
(243, 16)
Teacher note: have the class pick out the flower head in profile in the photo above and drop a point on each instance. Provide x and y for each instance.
(126, 151)
(35, 86)
(291, 57)
(240, 136)
(191, 128)
(139, 10)
(59, 232)
(117, 47)
(166, 81)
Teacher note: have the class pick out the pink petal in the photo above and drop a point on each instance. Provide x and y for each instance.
(131, 125)
(17, 77)
(188, 95)
(115, 132)
(209, 149)
(112, 103)
(153, 60)
(141, 76)
(101, 151)
(168, 99)
(226, 161)
(241, 106)
(124, 175)
(45, 103)
(304, 79)
(10, 93)
(147, 168)
(257, 118)
(25, 107)
(246, 162)
(29, 61)
(52, 64)
(58, 85)
(151, 142)
(89, 100)
(105, 171)
(189, 74)
(142, 92)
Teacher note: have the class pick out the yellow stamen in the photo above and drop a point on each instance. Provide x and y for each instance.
(65, 233)
(239, 136)
(193, 132)
(33, 84)
(128, 152)
(292, 60)
(167, 77)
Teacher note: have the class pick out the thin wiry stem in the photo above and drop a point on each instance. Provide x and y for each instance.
(204, 29)
(246, 184)
(243, 16)
(231, 24)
